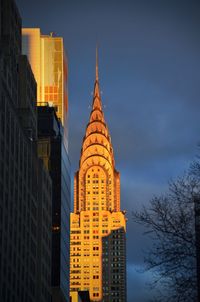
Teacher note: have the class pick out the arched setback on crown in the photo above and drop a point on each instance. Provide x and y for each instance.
(99, 138)
(96, 150)
(95, 143)
(99, 127)
(97, 115)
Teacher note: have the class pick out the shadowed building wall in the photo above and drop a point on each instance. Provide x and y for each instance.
(114, 265)
(53, 152)
(25, 185)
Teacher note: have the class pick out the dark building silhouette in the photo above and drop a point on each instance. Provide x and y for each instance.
(25, 184)
(114, 266)
(51, 149)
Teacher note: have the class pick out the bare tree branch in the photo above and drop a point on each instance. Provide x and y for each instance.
(169, 219)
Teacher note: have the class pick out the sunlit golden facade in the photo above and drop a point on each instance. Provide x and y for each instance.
(96, 210)
(48, 62)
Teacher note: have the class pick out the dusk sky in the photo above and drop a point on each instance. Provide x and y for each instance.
(149, 70)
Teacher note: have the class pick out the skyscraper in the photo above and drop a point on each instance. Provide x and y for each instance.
(49, 64)
(97, 240)
(47, 58)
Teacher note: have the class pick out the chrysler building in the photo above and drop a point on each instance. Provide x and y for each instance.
(98, 226)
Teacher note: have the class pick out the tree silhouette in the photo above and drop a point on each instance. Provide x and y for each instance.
(170, 221)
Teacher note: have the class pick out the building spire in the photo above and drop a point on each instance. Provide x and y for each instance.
(97, 68)
(97, 97)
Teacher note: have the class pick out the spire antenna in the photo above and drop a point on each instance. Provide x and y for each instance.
(97, 68)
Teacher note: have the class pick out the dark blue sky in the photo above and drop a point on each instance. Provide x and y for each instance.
(149, 69)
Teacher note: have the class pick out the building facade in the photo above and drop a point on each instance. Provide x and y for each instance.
(48, 61)
(97, 215)
(53, 152)
(25, 185)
